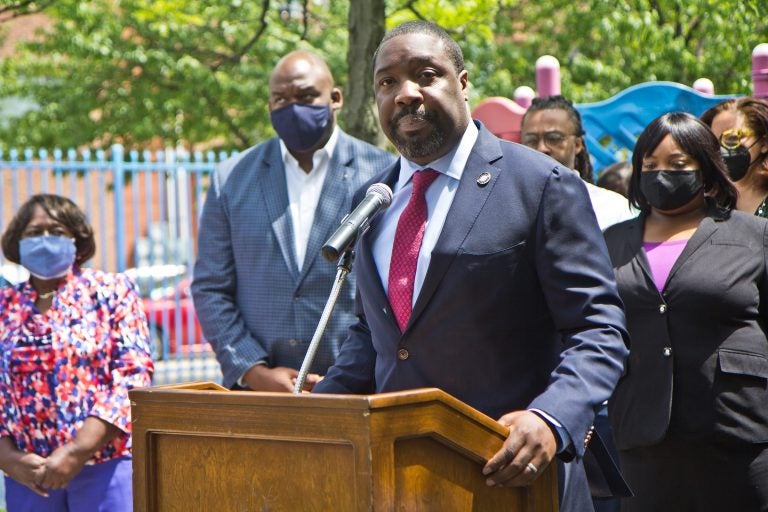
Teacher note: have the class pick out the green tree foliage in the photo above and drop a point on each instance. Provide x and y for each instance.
(178, 70)
(604, 47)
(195, 71)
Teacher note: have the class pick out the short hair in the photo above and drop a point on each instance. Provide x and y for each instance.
(615, 177)
(696, 140)
(61, 210)
(583, 165)
(424, 27)
(754, 110)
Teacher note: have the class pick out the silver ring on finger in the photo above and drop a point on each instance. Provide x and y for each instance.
(533, 469)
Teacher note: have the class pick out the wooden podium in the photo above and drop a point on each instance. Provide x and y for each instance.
(200, 447)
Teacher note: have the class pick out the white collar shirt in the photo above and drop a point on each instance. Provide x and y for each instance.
(304, 189)
(439, 198)
(610, 207)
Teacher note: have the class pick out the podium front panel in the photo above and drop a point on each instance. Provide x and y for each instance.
(428, 476)
(248, 473)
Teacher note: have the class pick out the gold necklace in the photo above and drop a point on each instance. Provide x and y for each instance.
(46, 295)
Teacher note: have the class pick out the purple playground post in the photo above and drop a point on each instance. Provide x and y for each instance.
(547, 76)
(704, 86)
(523, 96)
(760, 71)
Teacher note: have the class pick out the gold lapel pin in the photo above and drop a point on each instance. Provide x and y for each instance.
(484, 179)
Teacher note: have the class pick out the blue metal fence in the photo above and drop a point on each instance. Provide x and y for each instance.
(144, 208)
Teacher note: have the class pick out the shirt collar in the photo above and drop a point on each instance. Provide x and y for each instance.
(451, 164)
(324, 152)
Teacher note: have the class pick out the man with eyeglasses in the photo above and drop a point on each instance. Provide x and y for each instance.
(553, 126)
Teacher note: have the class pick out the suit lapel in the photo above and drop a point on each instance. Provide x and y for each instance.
(634, 246)
(275, 197)
(335, 201)
(469, 200)
(364, 254)
(704, 232)
(389, 178)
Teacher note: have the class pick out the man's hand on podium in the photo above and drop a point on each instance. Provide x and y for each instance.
(528, 450)
(281, 379)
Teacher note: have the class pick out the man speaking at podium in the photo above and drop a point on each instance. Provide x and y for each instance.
(487, 276)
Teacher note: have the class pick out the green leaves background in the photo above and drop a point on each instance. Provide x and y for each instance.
(195, 72)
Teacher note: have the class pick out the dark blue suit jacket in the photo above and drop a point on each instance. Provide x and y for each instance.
(518, 309)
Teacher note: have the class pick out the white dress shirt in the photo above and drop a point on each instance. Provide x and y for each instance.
(610, 207)
(439, 197)
(304, 190)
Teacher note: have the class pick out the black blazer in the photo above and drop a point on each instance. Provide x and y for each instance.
(698, 363)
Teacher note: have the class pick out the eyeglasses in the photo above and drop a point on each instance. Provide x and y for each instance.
(552, 139)
(731, 139)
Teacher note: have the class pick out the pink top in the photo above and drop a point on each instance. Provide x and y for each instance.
(661, 257)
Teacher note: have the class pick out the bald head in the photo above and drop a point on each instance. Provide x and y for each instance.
(301, 63)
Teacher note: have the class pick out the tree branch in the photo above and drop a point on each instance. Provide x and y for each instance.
(691, 29)
(227, 120)
(659, 12)
(411, 7)
(678, 21)
(23, 8)
(235, 57)
(305, 20)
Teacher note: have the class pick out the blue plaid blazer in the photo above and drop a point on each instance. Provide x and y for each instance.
(252, 301)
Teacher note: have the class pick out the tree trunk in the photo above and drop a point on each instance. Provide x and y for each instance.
(366, 28)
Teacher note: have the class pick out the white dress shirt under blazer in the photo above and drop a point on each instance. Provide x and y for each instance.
(439, 197)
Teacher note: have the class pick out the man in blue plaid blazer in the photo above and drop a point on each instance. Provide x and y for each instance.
(260, 284)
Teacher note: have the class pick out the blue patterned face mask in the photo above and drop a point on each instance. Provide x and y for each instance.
(301, 126)
(47, 257)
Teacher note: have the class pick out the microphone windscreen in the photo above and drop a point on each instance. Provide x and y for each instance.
(382, 190)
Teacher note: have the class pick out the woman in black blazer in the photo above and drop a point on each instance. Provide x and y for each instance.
(690, 415)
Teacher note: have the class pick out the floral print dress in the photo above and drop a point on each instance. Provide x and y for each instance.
(76, 360)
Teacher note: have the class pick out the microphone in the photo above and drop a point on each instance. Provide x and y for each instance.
(377, 197)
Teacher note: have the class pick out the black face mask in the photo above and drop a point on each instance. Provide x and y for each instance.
(669, 190)
(737, 160)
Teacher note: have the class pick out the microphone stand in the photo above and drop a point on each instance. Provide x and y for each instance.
(344, 267)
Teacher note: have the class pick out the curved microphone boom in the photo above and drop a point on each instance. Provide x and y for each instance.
(377, 197)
